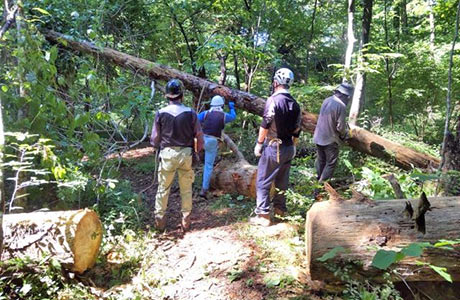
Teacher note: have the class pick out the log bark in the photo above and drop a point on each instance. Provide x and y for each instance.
(72, 237)
(359, 227)
(362, 140)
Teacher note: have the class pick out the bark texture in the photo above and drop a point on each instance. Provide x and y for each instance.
(363, 141)
(358, 227)
(72, 237)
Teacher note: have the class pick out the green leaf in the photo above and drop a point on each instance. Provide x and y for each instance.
(442, 271)
(331, 254)
(383, 259)
(4, 88)
(272, 282)
(414, 249)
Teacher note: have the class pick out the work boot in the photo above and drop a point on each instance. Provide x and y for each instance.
(186, 222)
(204, 194)
(278, 212)
(160, 223)
(261, 219)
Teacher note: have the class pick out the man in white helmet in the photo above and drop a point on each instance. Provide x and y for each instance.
(213, 122)
(278, 134)
(331, 130)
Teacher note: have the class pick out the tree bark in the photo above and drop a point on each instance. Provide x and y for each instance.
(358, 227)
(362, 140)
(358, 95)
(72, 237)
(351, 39)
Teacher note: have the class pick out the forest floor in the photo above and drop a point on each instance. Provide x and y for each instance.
(221, 257)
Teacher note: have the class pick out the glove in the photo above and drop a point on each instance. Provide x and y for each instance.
(231, 105)
(258, 150)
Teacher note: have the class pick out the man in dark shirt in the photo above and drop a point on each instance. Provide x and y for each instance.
(276, 141)
(331, 130)
(175, 129)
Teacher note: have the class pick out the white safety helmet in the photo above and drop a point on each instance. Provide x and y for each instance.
(284, 76)
(217, 101)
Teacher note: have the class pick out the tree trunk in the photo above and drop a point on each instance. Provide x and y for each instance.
(358, 95)
(72, 237)
(431, 5)
(351, 39)
(362, 140)
(223, 68)
(358, 227)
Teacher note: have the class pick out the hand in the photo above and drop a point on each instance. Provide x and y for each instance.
(231, 105)
(258, 150)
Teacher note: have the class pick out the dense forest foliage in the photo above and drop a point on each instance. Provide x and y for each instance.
(69, 117)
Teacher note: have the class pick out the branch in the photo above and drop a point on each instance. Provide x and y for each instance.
(9, 16)
(233, 147)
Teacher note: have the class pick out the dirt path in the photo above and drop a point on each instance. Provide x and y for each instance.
(221, 257)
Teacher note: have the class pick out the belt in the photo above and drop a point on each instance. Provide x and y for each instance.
(278, 143)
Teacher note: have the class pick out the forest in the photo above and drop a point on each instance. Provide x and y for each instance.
(82, 81)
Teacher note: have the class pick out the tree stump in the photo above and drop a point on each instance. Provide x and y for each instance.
(72, 237)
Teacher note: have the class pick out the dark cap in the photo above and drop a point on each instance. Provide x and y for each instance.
(174, 88)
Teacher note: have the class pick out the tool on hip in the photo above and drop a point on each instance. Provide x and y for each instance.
(278, 143)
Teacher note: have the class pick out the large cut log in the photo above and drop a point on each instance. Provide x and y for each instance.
(362, 140)
(71, 237)
(235, 176)
(360, 227)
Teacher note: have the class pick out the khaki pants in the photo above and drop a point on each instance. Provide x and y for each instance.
(172, 159)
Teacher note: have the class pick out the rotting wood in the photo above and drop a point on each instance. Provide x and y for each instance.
(359, 227)
(362, 140)
(71, 237)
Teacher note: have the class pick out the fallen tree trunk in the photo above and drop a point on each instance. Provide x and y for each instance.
(362, 140)
(71, 237)
(359, 227)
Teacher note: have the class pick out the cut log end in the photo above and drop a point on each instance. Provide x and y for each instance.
(71, 237)
(88, 238)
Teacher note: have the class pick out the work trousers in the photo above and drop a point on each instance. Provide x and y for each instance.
(273, 167)
(326, 160)
(174, 159)
(210, 153)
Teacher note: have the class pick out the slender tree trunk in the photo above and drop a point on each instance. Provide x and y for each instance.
(2, 187)
(389, 73)
(449, 90)
(310, 39)
(358, 95)
(404, 16)
(223, 68)
(351, 39)
(21, 195)
(431, 5)
(236, 71)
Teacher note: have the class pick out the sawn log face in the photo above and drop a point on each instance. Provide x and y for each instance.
(361, 227)
(363, 140)
(71, 237)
